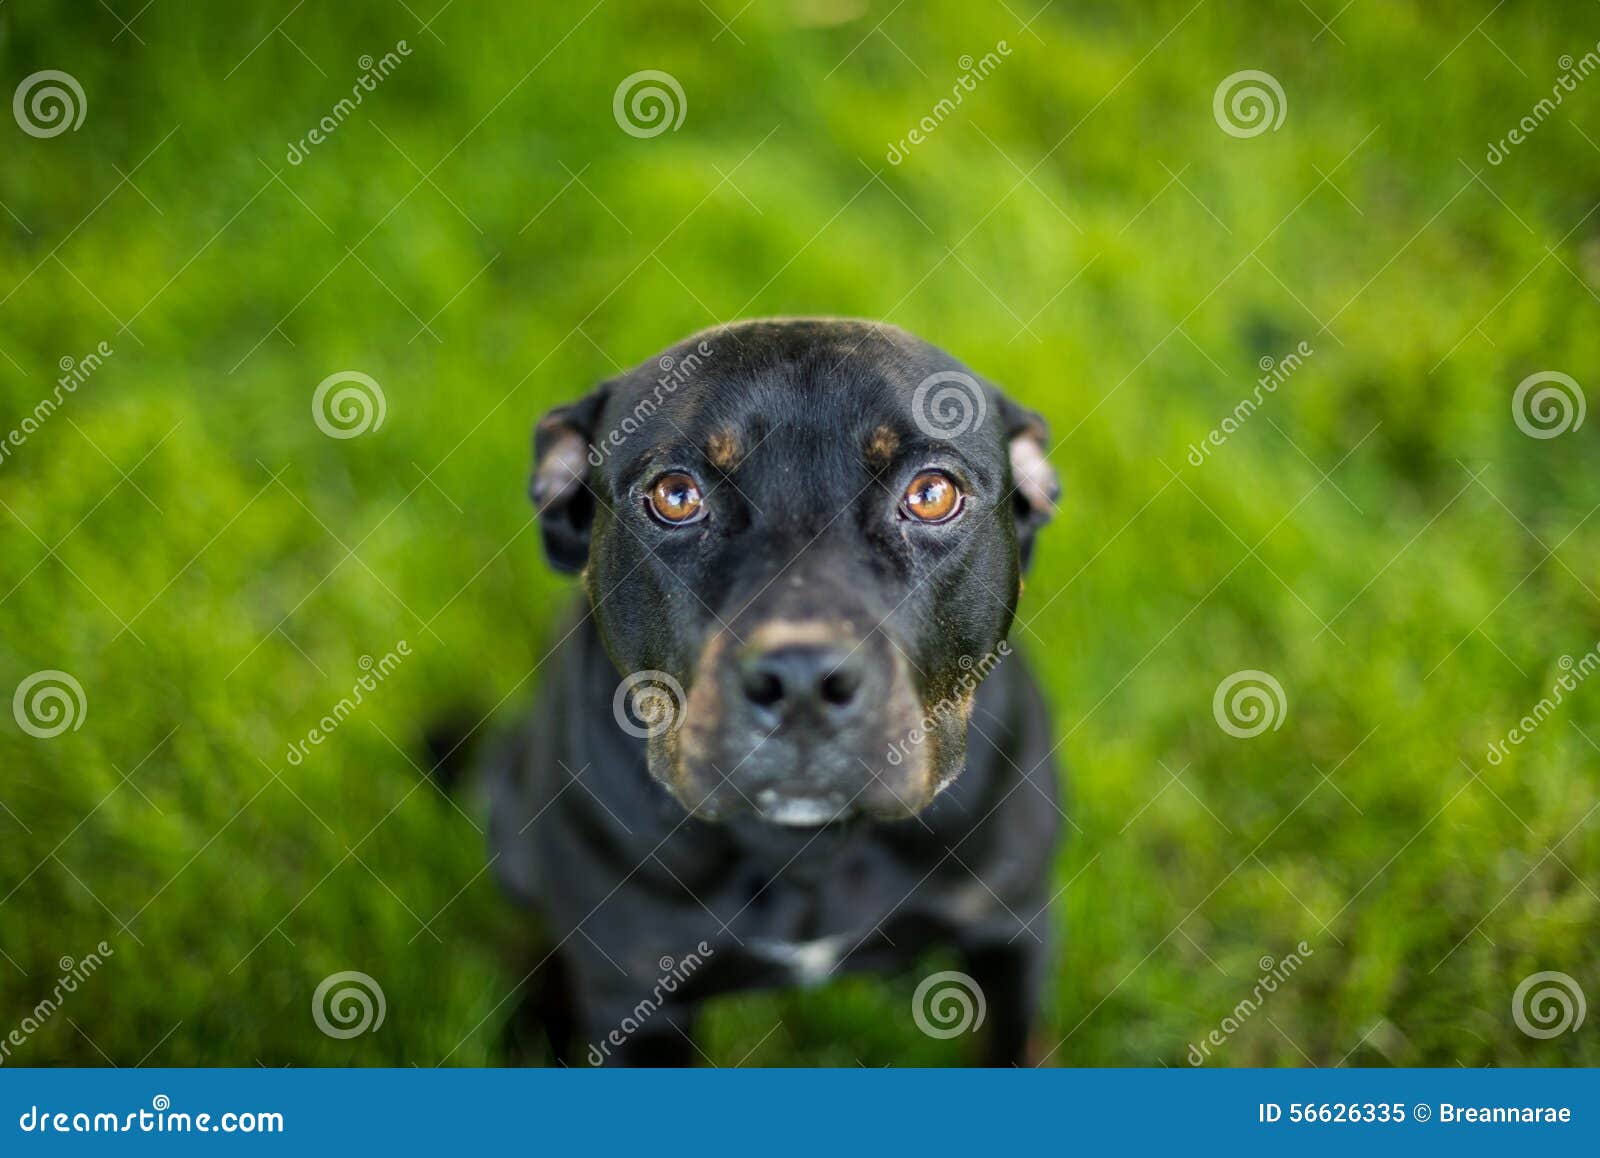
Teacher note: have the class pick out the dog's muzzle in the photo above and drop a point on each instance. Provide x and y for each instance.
(793, 723)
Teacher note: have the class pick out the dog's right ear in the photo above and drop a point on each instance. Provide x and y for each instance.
(1036, 487)
(560, 483)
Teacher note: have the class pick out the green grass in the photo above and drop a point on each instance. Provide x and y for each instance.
(1380, 536)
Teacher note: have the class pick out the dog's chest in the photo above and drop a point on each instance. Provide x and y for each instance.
(805, 963)
(855, 909)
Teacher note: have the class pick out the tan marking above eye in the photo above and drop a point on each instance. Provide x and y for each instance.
(882, 445)
(675, 498)
(932, 497)
(723, 450)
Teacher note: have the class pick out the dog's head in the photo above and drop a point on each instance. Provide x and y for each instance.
(802, 543)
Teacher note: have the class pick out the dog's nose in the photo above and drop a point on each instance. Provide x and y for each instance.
(818, 679)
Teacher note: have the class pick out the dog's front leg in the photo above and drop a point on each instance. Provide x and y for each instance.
(636, 1035)
(1011, 976)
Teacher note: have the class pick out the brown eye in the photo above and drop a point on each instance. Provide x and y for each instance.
(675, 498)
(932, 497)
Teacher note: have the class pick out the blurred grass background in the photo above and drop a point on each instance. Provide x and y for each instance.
(482, 238)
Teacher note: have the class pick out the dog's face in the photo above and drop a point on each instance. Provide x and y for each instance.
(808, 537)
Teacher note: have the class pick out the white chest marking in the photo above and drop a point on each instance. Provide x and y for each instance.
(808, 962)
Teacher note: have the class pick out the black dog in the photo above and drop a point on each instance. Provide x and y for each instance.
(801, 542)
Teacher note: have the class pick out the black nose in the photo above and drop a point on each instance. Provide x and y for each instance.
(822, 680)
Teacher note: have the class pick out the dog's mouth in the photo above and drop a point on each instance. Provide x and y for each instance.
(803, 726)
(801, 811)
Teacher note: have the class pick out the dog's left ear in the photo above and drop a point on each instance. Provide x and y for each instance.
(1035, 487)
(560, 484)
